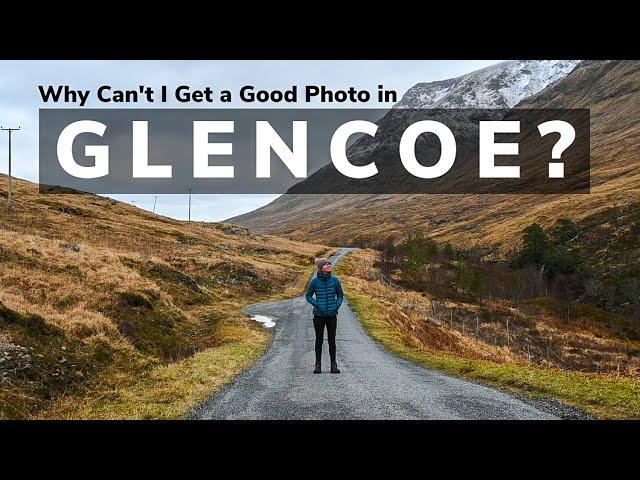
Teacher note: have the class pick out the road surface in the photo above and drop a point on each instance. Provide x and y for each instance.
(374, 384)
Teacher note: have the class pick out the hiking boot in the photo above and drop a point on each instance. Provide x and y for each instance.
(318, 368)
(334, 367)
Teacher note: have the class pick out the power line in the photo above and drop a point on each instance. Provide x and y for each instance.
(10, 130)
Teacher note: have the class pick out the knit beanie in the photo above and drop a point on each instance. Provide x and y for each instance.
(321, 262)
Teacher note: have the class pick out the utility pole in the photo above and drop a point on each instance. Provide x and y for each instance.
(189, 203)
(155, 199)
(10, 130)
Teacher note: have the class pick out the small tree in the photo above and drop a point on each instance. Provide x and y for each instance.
(561, 289)
(388, 254)
(448, 251)
(560, 260)
(469, 279)
(416, 251)
(562, 231)
(535, 247)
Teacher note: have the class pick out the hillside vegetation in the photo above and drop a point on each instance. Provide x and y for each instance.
(610, 89)
(585, 357)
(108, 311)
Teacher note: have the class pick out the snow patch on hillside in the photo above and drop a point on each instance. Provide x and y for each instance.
(498, 86)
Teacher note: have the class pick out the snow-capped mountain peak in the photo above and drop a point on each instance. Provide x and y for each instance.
(498, 86)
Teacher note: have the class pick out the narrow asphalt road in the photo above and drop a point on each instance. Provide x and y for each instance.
(374, 384)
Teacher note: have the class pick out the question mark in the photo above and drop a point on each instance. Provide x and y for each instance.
(567, 136)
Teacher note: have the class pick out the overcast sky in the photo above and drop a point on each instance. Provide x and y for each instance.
(20, 101)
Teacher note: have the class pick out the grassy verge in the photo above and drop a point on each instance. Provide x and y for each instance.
(171, 391)
(606, 397)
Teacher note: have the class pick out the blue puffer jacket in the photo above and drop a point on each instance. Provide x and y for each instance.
(329, 295)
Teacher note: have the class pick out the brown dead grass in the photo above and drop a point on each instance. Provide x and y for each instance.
(536, 334)
(127, 293)
(403, 323)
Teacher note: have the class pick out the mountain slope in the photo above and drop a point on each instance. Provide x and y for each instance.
(96, 295)
(609, 88)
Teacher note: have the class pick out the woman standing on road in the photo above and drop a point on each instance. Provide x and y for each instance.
(327, 301)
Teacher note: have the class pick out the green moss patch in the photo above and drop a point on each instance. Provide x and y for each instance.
(151, 324)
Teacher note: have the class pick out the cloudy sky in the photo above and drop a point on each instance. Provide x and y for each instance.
(20, 101)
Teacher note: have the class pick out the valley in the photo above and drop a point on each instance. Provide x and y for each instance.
(533, 293)
(108, 311)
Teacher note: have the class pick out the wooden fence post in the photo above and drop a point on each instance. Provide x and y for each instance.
(508, 332)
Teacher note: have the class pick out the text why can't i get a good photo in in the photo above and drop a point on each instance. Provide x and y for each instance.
(187, 94)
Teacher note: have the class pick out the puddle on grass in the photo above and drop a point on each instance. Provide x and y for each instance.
(266, 322)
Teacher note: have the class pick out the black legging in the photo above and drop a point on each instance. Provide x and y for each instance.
(331, 323)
